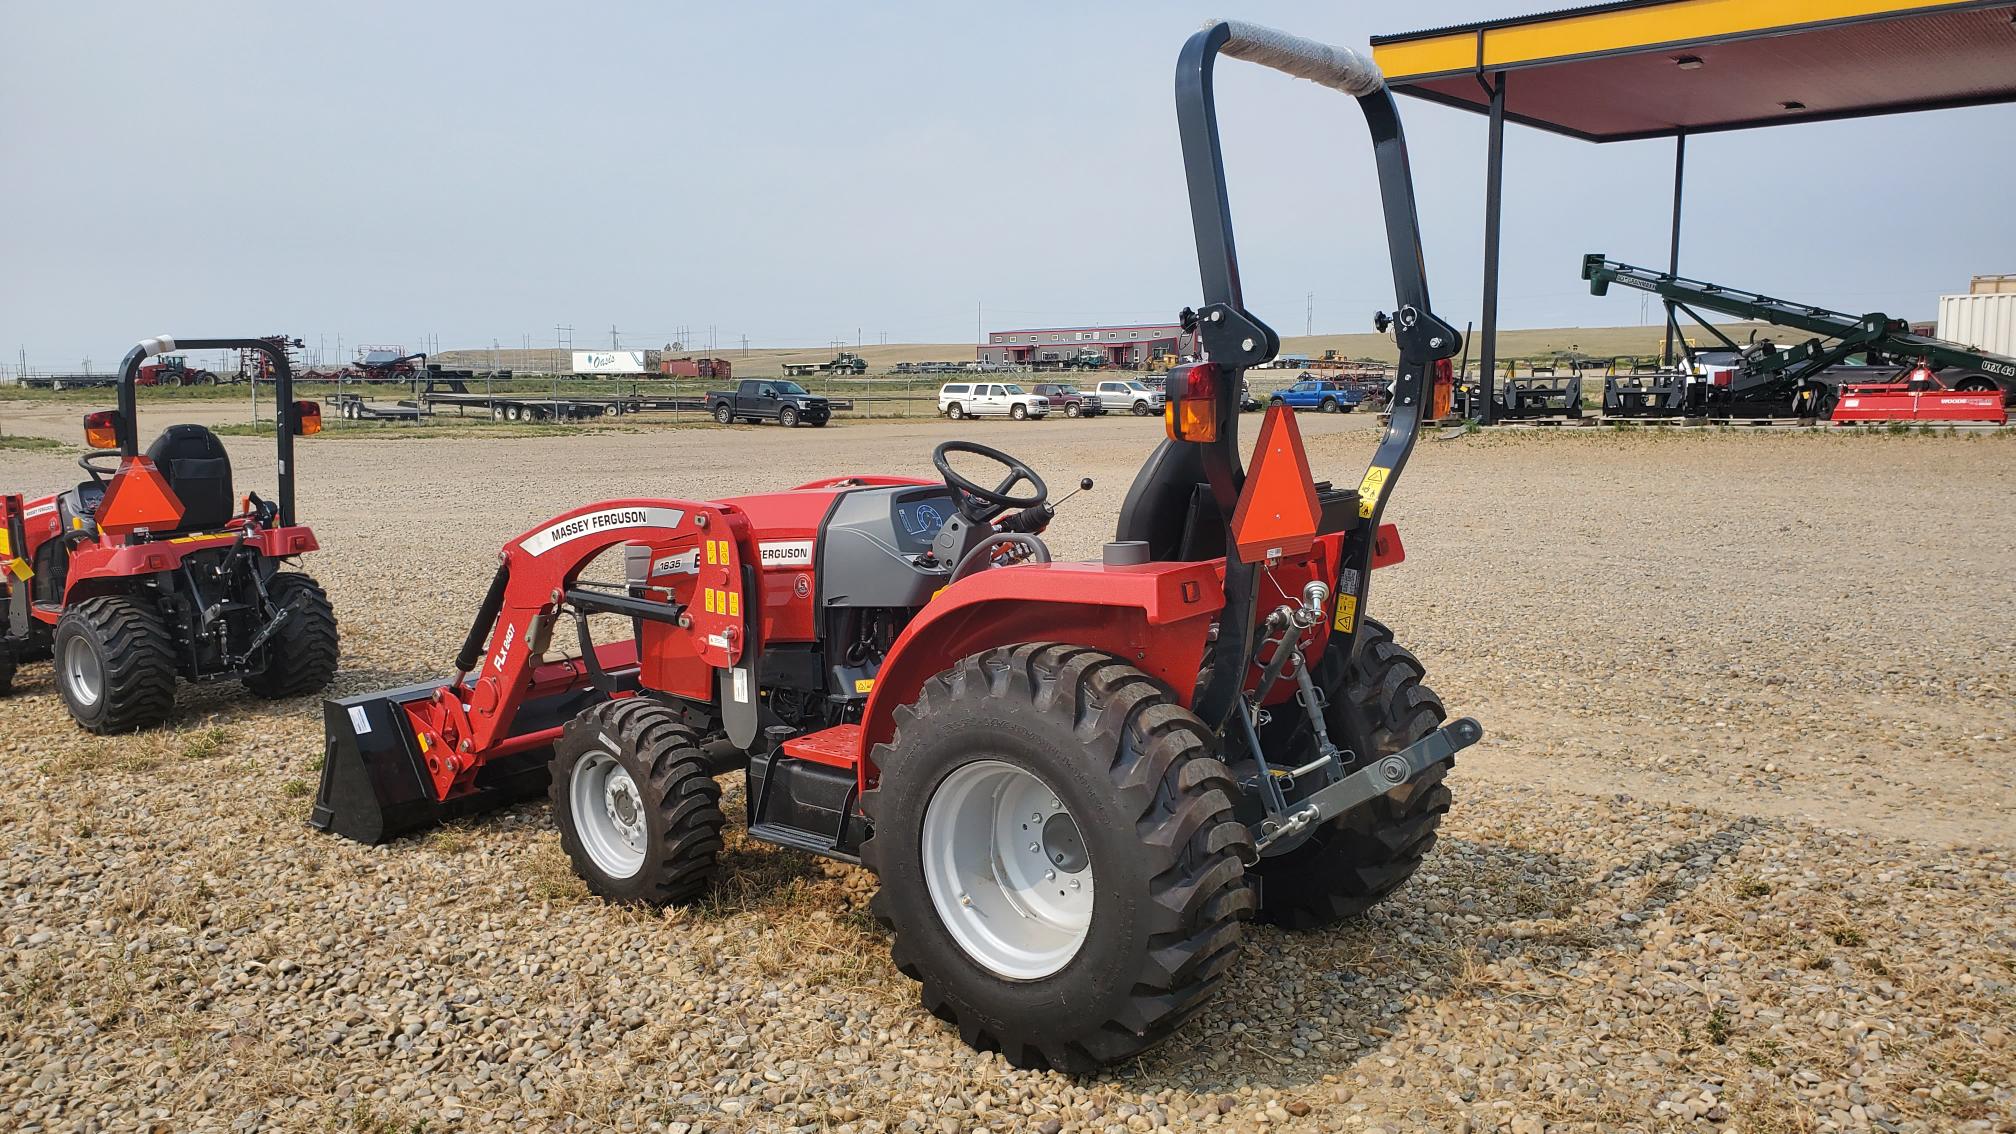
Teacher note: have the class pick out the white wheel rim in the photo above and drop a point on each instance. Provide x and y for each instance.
(1007, 870)
(608, 814)
(82, 672)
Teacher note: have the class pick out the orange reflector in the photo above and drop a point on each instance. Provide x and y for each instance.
(101, 430)
(138, 497)
(1445, 387)
(1191, 413)
(1278, 513)
(308, 418)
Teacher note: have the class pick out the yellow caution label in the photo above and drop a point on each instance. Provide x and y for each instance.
(734, 604)
(1347, 613)
(710, 601)
(5, 549)
(20, 570)
(713, 554)
(1369, 490)
(864, 684)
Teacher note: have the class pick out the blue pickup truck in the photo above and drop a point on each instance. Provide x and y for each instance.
(1318, 393)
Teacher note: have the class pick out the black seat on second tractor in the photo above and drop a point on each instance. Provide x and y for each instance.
(199, 470)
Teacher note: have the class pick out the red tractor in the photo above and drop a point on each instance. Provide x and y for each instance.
(151, 570)
(1074, 781)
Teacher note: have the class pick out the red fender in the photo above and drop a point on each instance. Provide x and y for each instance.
(1154, 616)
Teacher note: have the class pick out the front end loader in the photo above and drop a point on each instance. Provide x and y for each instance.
(1074, 781)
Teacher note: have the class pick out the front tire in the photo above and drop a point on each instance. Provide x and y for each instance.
(301, 654)
(115, 665)
(1142, 409)
(638, 809)
(1377, 706)
(1019, 412)
(1124, 795)
(1071, 409)
(787, 417)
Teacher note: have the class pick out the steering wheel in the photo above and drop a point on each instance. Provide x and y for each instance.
(998, 498)
(98, 474)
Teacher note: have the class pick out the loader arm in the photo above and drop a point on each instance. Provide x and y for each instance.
(410, 757)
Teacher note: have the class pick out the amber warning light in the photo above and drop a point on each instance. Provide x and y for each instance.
(101, 430)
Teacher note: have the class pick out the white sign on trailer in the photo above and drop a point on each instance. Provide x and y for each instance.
(608, 362)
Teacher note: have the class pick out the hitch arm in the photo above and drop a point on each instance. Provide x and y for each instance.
(1373, 780)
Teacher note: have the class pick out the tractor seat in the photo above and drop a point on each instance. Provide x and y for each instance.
(199, 471)
(80, 503)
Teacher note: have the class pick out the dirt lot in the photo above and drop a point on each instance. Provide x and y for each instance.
(1740, 851)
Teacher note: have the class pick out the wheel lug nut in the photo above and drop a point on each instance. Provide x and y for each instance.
(1074, 883)
(1035, 847)
(1049, 876)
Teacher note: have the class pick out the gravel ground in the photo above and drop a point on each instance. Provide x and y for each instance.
(1740, 852)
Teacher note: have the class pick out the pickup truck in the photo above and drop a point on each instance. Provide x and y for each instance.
(1318, 393)
(1076, 402)
(769, 399)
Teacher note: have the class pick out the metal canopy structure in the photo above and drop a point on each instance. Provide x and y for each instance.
(1637, 69)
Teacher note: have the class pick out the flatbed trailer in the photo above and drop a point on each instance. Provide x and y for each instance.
(357, 407)
(1768, 382)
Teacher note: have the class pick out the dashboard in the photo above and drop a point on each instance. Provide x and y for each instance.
(919, 520)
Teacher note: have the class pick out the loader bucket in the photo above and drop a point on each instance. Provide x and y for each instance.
(375, 786)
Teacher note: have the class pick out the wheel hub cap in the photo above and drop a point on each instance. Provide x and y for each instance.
(609, 814)
(1007, 870)
(80, 665)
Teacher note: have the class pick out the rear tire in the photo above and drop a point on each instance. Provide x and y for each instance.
(301, 655)
(636, 803)
(1329, 405)
(956, 411)
(115, 665)
(1149, 813)
(724, 413)
(1377, 706)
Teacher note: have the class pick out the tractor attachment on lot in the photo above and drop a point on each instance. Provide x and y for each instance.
(1073, 781)
(1896, 375)
(153, 569)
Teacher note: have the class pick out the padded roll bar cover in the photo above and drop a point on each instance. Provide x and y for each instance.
(1339, 68)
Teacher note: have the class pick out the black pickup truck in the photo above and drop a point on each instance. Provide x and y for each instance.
(769, 399)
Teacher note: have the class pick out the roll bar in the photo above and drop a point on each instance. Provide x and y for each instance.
(1235, 339)
(283, 397)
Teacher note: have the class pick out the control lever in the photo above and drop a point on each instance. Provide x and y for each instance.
(1029, 521)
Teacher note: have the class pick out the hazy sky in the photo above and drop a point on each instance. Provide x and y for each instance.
(797, 172)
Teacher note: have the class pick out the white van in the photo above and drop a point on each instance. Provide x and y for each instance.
(990, 399)
(1131, 393)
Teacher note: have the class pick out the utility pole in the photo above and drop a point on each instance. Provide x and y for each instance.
(745, 347)
(612, 336)
(1309, 316)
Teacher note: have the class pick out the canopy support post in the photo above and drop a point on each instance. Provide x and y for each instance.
(1494, 204)
(1668, 358)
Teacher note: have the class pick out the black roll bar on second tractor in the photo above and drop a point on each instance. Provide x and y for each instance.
(1235, 339)
(286, 415)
